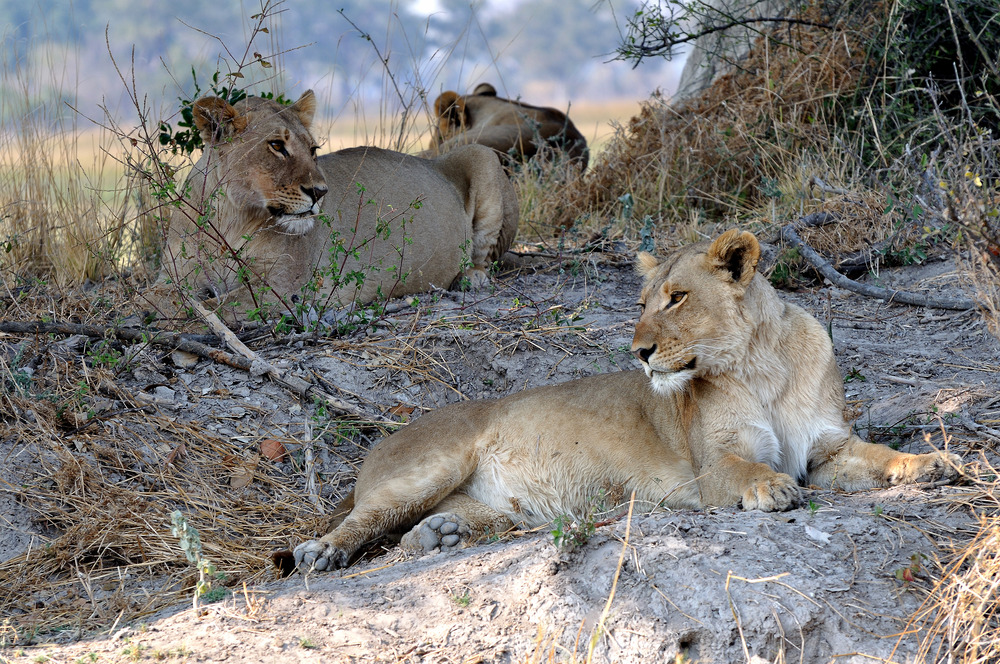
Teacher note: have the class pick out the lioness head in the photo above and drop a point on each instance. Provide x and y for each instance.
(266, 157)
(693, 320)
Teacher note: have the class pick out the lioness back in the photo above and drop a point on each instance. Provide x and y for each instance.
(516, 130)
(739, 402)
(267, 224)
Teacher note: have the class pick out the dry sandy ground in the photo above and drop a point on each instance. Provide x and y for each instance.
(828, 582)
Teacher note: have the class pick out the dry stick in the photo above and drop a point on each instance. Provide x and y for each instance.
(258, 367)
(310, 468)
(823, 266)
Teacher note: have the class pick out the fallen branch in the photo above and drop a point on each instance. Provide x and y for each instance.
(791, 237)
(156, 338)
(257, 366)
(244, 361)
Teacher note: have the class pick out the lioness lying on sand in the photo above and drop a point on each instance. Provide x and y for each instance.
(264, 221)
(739, 401)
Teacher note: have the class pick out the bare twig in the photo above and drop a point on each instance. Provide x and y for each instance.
(614, 583)
(156, 338)
(816, 182)
(243, 358)
(668, 42)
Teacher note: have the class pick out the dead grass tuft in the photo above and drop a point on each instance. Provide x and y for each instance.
(110, 501)
(960, 616)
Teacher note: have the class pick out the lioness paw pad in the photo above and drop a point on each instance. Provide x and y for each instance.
(319, 556)
(438, 531)
(773, 495)
(932, 467)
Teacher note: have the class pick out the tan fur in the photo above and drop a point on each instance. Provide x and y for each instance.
(515, 130)
(268, 194)
(739, 402)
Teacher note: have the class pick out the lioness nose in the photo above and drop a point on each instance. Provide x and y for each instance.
(643, 354)
(315, 192)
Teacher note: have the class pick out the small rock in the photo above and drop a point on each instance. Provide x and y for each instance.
(165, 393)
(817, 535)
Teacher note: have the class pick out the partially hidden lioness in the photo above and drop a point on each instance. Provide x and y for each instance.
(265, 221)
(517, 131)
(740, 400)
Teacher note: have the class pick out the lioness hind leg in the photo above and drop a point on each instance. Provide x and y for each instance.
(489, 197)
(369, 519)
(859, 465)
(458, 520)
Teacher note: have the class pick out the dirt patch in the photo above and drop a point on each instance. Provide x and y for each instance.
(838, 577)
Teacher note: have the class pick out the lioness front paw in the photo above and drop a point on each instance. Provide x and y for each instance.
(775, 494)
(473, 278)
(932, 467)
(438, 531)
(318, 555)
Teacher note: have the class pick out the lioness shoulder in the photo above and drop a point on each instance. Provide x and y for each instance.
(739, 401)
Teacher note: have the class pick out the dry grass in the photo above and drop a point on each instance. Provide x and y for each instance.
(107, 500)
(70, 212)
(960, 616)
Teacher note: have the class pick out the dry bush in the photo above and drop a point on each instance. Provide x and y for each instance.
(540, 185)
(726, 148)
(965, 184)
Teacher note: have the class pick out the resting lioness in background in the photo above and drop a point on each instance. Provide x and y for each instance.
(740, 400)
(265, 221)
(515, 130)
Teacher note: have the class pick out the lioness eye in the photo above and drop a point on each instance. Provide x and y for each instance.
(278, 146)
(677, 297)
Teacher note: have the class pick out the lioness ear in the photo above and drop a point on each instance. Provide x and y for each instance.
(450, 109)
(736, 253)
(646, 264)
(485, 90)
(217, 120)
(305, 108)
